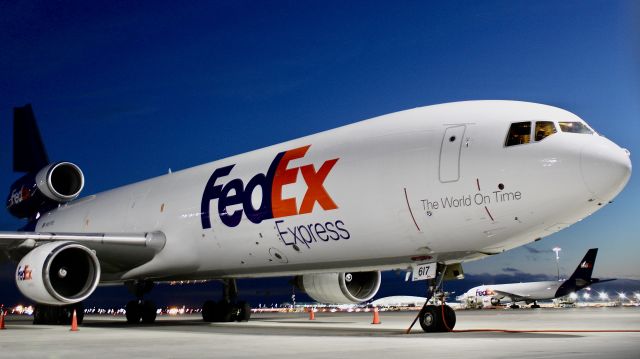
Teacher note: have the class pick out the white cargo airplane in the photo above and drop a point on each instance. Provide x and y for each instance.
(532, 292)
(422, 189)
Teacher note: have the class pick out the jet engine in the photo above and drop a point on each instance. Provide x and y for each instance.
(58, 273)
(340, 288)
(495, 301)
(56, 183)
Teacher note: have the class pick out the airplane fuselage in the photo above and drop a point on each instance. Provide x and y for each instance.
(530, 291)
(430, 184)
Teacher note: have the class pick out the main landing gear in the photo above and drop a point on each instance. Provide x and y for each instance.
(535, 305)
(229, 309)
(57, 315)
(436, 318)
(140, 309)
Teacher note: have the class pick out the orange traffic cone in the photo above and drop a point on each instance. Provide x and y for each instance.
(74, 322)
(2, 315)
(312, 315)
(376, 316)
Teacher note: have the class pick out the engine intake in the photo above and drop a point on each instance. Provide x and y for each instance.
(56, 183)
(340, 288)
(61, 182)
(58, 273)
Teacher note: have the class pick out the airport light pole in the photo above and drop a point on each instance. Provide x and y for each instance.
(557, 250)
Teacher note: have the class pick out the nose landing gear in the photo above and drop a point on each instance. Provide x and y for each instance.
(432, 317)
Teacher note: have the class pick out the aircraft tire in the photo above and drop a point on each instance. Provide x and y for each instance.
(431, 319)
(243, 311)
(209, 309)
(225, 312)
(449, 318)
(133, 312)
(148, 311)
(57, 315)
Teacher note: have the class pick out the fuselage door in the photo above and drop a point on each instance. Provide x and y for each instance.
(450, 153)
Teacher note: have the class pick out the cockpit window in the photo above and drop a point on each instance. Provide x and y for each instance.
(519, 133)
(575, 127)
(544, 129)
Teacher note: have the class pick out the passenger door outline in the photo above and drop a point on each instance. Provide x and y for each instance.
(450, 151)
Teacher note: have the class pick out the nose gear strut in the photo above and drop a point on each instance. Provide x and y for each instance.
(435, 318)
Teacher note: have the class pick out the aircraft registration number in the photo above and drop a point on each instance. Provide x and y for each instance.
(424, 271)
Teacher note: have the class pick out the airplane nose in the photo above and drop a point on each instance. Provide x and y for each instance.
(605, 168)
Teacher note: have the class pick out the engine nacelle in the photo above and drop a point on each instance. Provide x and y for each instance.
(58, 182)
(340, 288)
(58, 273)
(495, 301)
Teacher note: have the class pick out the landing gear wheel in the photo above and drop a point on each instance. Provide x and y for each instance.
(535, 306)
(243, 312)
(449, 318)
(431, 319)
(133, 312)
(209, 311)
(229, 309)
(148, 312)
(514, 306)
(58, 315)
(225, 312)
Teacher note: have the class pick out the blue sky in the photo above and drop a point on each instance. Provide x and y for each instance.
(129, 90)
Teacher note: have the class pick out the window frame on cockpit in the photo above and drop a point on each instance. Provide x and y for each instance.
(536, 130)
(533, 131)
(516, 136)
(581, 131)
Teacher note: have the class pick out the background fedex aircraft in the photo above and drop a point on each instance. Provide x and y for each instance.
(422, 189)
(531, 292)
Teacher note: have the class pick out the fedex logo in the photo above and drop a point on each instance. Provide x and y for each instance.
(272, 205)
(24, 274)
(17, 196)
(585, 265)
(484, 292)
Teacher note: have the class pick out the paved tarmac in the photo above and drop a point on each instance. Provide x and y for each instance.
(337, 335)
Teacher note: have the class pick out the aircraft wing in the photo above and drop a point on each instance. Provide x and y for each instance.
(117, 251)
(30, 239)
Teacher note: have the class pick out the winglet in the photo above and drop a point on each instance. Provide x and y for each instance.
(29, 154)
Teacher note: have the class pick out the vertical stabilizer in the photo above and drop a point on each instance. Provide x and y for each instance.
(581, 277)
(585, 268)
(29, 154)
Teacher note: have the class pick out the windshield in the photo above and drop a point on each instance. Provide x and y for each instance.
(575, 127)
(544, 129)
